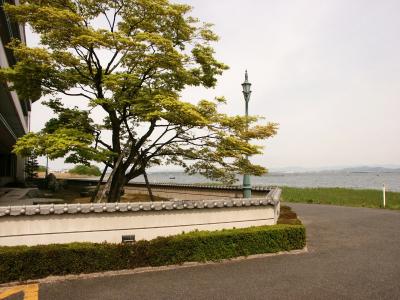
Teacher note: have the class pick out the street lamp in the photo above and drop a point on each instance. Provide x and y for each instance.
(246, 92)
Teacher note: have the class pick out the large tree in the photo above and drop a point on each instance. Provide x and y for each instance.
(130, 59)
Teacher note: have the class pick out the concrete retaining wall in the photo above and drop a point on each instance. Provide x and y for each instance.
(45, 224)
(173, 191)
(186, 194)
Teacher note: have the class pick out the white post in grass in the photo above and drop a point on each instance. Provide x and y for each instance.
(384, 195)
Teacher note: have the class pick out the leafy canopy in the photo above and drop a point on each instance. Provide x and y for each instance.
(131, 59)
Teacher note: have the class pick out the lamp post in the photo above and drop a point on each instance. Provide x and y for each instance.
(47, 167)
(246, 92)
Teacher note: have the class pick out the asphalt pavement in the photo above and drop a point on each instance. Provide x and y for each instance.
(353, 253)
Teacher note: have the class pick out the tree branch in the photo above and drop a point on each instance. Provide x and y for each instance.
(69, 94)
(111, 62)
(136, 147)
(105, 144)
(108, 20)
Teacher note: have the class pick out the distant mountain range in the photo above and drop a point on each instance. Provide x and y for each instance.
(355, 169)
(371, 170)
(338, 169)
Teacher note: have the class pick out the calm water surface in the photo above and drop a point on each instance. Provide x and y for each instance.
(339, 179)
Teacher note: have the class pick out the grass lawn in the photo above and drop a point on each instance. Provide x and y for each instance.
(341, 196)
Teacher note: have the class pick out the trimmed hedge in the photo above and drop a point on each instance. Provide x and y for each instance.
(23, 262)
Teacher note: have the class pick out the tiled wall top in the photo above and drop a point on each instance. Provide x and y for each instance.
(272, 198)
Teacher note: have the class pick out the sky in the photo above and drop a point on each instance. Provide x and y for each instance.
(327, 71)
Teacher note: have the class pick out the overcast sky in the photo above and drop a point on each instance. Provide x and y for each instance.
(327, 71)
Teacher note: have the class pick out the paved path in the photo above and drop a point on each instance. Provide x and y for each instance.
(15, 196)
(354, 253)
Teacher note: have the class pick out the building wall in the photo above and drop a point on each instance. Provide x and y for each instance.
(14, 112)
(4, 180)
(7, 168)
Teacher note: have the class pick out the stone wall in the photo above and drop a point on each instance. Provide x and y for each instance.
(45, 224)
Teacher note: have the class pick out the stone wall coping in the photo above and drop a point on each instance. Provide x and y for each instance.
(272, 198)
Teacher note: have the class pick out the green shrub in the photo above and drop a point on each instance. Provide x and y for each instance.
(85, 170)
(23, 262)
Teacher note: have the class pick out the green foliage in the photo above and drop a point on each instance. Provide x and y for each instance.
(85, 170)
(133, 69)
(41, 168)
(341, 196)
(22, 263)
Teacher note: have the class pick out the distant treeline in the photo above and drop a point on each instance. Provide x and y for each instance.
(85, 170)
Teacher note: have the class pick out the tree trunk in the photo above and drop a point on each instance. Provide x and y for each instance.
(148, 186)
(110, 181)
(99, 184)
(117, 184)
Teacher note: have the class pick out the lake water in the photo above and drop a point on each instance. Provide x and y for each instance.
(323, 179)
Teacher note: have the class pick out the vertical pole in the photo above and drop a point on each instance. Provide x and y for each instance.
(47, 167)
(246, 177)
(246, 93)
(384, 195)
(247, 111)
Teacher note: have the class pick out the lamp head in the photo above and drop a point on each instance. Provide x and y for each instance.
(246, 85)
